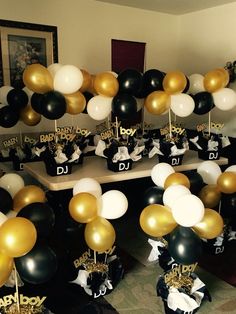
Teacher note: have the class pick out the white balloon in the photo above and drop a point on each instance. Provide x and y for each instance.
(196, 84)
(12, 182)
(231, 168)
(188, 210)
(4, 90)
(3, 218)
(182, 104)
(28, 92)
(160, 172)
(173, 192)
(209, 171)
(11, 214)
(68, 79)
(53, 68)
(88, 185)
(114, 204)
(99, 107)
(224, 99)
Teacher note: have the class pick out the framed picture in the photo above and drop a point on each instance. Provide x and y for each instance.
(23, 44)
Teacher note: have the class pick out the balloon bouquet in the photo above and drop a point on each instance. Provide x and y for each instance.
(25, 220)
(183, 221)
(89, 206)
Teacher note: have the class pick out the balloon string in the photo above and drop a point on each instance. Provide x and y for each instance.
(105, 261)
(117, 133)
(209, 123)
(21, 142)
(17, 291)
(170, 125)
(95, 257)
(143, 120)
(220, 207)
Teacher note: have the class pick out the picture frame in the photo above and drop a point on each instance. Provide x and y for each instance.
(24, 43)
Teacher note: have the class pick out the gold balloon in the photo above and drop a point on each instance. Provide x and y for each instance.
(27, 195)
(177, 178)
(37, 78)
(157, 102)
(226, 182)
(6, 266)
(210, 195)
(29, 116)
(174, 82)
(211, 225)
(75, 103)
(86, 81)
(99, 234)
(157, 220)
(83, 207)
(225, 74)
(17, 236)
(106, 84)
(91, 88)
(213, 81)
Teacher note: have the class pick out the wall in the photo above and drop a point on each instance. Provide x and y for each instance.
(207, 42)
(85, 30)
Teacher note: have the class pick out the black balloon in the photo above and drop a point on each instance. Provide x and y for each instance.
(187, 85)
(196, 181)
(17, 99)
(130, 81)
(6, 201)
(87, 96)
(124, 106)
(152, 81)
(36, 102)
(203, 102)
(41, 215)
(228, 207)
(53, 105)
(184, 245)
(8, 117)
(153, 195)
(38, 266)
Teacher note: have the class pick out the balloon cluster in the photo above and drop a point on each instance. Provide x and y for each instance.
(25, 218)
(197, 93)
(182, 216)
(88, 205)
(16, 105)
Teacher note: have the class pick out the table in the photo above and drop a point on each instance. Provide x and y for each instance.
(96, 167)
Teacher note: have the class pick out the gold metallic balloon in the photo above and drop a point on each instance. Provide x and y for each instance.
(91, 88)
(27, 195)
(29, 116)
(211, 225)
(17, 236)
(213, 81)
(83, 207)
(37, 78)
(157, 220)
(6, 266)
(157, 102)
(75, 103)
(99, 234)
(106, 84)
(177, 178)
(225, 74)
(210, 195)
(86, 81)
(174, 82)
(226, 182)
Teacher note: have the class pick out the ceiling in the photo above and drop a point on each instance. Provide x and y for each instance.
(176, 7)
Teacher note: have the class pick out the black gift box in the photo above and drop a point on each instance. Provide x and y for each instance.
(172, 160)
(119, 165)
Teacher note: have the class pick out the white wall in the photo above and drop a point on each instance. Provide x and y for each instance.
(85, 30)
(207, 42)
